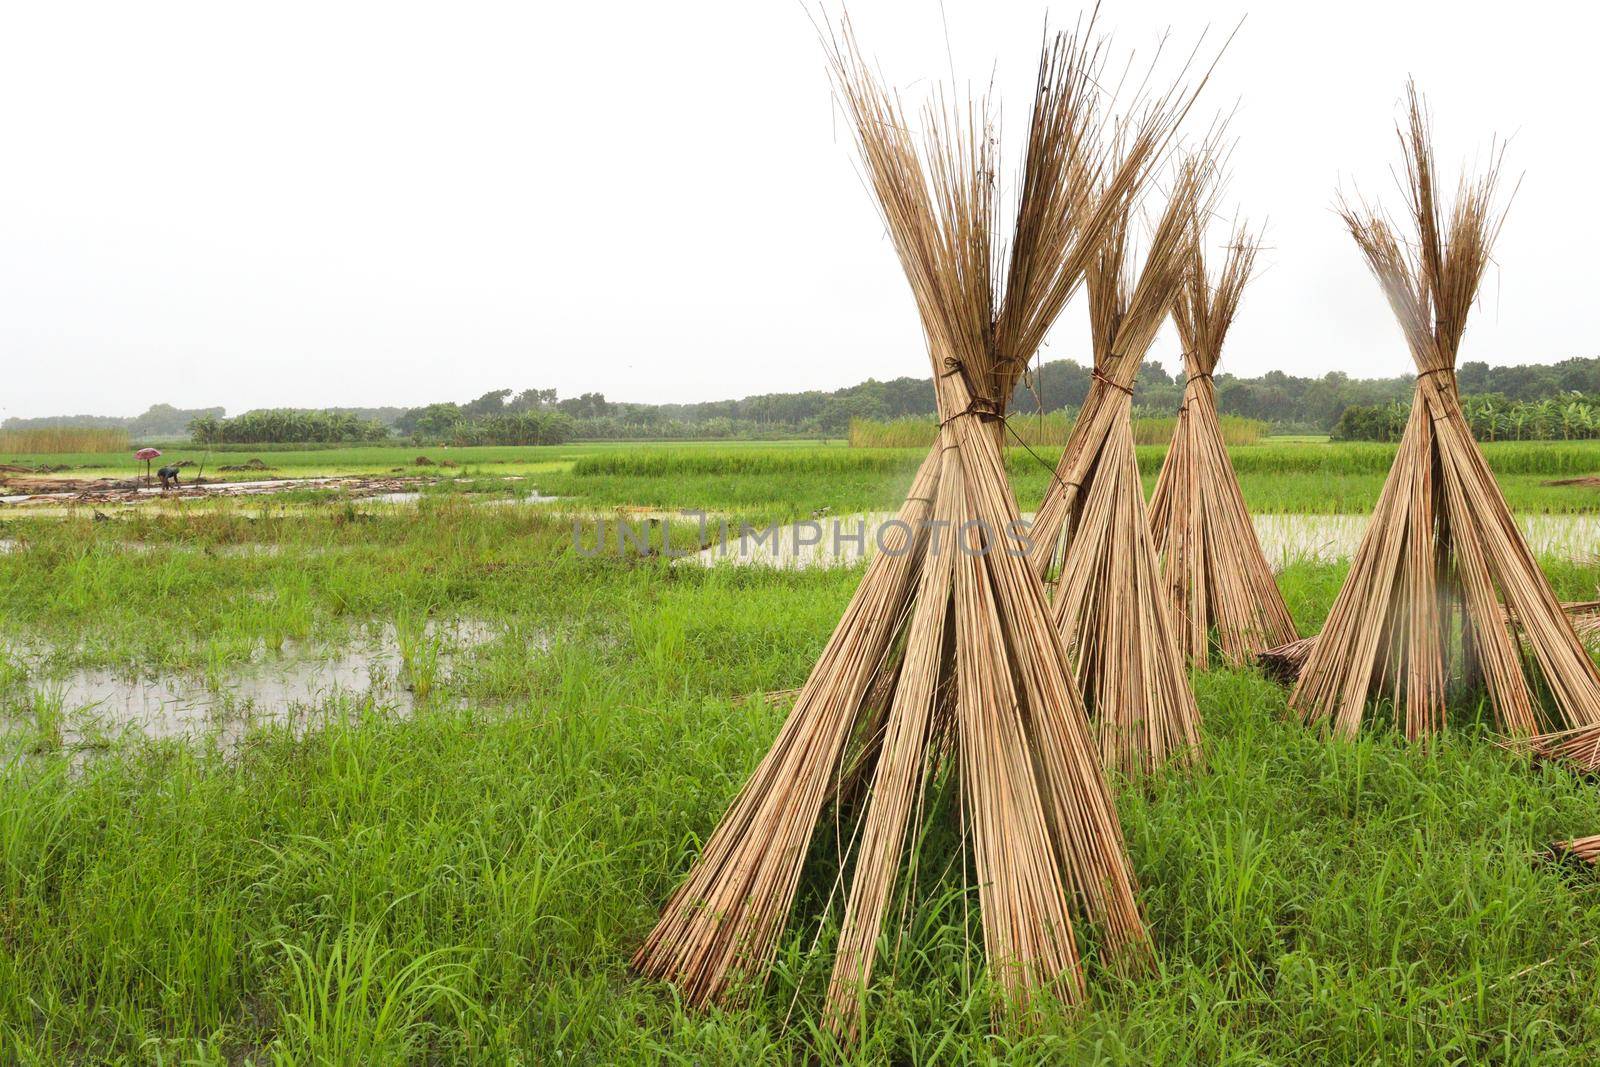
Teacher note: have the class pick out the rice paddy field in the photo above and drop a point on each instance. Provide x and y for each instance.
(1050, 429)
(300, 778)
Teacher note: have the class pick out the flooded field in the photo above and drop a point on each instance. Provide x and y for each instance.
(825, 541)
(1290, 538)
(389, 667)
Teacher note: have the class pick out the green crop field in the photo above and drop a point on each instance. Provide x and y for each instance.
(452, 859)
(1288, 477)
(790, 479)
(311, 460)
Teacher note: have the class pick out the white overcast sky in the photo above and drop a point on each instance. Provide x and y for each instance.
(360, 204)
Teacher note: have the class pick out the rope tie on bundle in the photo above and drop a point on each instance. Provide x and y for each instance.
(981, 406)
(1450, 373)
(1187, 404)
(1099, 377)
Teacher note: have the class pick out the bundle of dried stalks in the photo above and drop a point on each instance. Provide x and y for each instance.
(1585, 620)
(1442, 553)
(1110, 602)
(1217, 577)
(1284, 662)
(1581, 849)
(1578, 748)
(946, 652)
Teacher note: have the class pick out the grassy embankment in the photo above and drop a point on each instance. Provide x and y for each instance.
(467, 883)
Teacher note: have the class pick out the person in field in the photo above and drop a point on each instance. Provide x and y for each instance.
(168, 476)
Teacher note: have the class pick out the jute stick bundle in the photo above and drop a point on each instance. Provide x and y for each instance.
(947, 649)
(1582, 849)
(1110, 601)
(1442, 562)
(1217, 577)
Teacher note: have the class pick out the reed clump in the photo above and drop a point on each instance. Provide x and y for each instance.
(59, 439)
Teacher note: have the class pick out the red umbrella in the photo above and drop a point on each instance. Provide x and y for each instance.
(147, 454)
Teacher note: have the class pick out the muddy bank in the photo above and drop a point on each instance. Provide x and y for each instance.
(21, 492)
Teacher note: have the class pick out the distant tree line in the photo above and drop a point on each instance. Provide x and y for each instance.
(498, 417)
(1288, 404)
(1321, 402)
(512, 428)
(286, 425)
(1493, 417)
(161, 420)
(489, 420)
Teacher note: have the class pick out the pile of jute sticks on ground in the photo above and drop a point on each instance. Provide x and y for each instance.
(1582, 849)
(1023, 664)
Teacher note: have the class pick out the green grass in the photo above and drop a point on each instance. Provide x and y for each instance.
(790, 483)
(466, 884)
